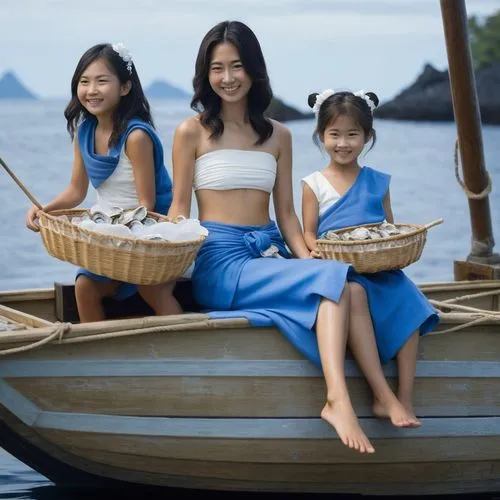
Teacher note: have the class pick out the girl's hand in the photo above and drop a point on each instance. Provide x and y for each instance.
(30, 219)
(315, 254)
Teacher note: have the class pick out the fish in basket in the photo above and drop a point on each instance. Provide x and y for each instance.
(133, 246)
(371, 248)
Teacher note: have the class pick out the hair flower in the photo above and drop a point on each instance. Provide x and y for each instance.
(321, 98)
(362, 94)
(124, 53)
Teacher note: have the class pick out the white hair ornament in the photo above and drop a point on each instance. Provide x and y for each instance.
(321, 98)
(125, 54)
(362, 94)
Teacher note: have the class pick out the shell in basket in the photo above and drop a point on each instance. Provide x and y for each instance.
(129, 259)
(371, 249)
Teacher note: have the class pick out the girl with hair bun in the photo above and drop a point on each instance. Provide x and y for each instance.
(346, 194)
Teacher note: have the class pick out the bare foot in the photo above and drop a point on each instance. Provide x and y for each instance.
(340, 415)
(408, 406)
(396, 412)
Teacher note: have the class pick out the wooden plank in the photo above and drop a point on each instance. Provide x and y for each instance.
(35, 294)
(466, 270)
(256, 429)
(320, 448)
(68, 465)
(480, 343)
(244, 397)
(458, 286)
(18, 404)
(23, 318)
(169, 367)
(301, 476)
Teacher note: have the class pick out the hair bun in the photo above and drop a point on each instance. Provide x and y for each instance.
(373, 97)
(311, 100)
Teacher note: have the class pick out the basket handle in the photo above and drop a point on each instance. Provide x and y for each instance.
(434, 223)
(20, 184)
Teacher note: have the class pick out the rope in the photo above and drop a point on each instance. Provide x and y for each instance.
(480, 315)
(472, 196)
(474, 316)
(60, 330)
(476, 321)
(458, 307)
(472, 296)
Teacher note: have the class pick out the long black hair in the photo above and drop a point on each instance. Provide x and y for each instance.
(344, 104)
(132, 105)
(208, 103)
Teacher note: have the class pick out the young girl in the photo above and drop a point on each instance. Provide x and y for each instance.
(118, 150)
(345, 194)
(235, 158)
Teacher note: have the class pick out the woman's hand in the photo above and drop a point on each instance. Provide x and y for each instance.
(30, 218)
(315, 254)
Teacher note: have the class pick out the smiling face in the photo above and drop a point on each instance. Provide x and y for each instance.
(226, 75)
(99, 89)
(344, 140)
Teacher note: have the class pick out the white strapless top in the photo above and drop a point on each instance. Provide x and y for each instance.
(225, 169)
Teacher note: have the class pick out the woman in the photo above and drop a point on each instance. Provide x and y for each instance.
(235, 158)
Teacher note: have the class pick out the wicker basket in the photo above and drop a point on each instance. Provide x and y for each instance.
(142, 262)
(385, 254)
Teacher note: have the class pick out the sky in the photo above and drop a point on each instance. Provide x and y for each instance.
(309, 45)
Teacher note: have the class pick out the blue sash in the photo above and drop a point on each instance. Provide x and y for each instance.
(221, 259)
(100, 167)
(361, 204)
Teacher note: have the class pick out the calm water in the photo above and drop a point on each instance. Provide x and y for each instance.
(34, 143)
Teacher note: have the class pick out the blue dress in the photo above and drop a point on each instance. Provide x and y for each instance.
(398, 308)
(100, 167)
(232, 279)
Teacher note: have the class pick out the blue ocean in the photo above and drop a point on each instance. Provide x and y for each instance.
(35, 144)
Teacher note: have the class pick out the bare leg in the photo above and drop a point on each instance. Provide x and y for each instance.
(89, 295)
(407, 365)
(161, 298)
(331, 329)
(364, 348)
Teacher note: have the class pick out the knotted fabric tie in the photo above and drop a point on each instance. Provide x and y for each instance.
(259, 244)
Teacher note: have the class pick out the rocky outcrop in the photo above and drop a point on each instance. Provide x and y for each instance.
(429, 97)
(282, 112)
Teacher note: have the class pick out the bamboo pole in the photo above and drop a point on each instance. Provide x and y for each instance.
(20, 184)
(467, 117)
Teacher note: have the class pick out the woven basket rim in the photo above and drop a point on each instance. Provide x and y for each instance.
(99, 237)
(418, 230)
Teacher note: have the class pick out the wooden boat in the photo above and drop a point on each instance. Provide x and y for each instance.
(185, 401)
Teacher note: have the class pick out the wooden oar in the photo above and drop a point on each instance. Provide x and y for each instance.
(434, 223)
(20, 184)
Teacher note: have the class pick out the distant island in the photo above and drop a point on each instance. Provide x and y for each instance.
(160, 89)
(12, 88)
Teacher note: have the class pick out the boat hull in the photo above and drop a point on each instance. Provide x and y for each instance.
(224, 406)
